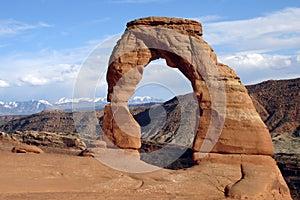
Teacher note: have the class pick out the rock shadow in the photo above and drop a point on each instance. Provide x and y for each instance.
(167, 156)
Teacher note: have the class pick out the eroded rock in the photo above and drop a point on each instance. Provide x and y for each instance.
(48, 139)
(24, 148)
(227, 116)
(229, 128)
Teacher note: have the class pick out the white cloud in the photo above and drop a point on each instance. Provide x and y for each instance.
(51, 74)
(3, 84)
(274, 31)
(260, 48)
(258, 60)
(33, 80)
(46, 66)
(12, 27)
(257, 67)
(247, 45)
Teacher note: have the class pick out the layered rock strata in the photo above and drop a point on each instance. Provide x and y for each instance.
(228, 126)
(228, 121)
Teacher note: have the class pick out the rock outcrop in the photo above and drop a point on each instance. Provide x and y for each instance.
(24, 148)
(228, 121)
(48, 139)
(50, 121)
(278, 103)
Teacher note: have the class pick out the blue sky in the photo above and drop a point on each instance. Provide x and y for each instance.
(43, 43)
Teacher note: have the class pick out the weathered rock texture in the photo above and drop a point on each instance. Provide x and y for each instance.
(46, 139)
(24, 148)
(60, 176)
(289, 165)
(227, 122)
(50, 121)
(179, 42)
(278, 103)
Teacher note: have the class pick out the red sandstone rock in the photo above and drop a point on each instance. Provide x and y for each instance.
(120, 128)
(228, 121)
(259, 176)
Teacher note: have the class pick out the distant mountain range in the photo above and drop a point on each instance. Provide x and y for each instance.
(277, 102)
(67, 104)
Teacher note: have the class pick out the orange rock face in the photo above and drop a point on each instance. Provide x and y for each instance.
(118, 122)
(228, 121)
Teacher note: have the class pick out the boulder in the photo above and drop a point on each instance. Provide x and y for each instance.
(24, 148)
(86, 153)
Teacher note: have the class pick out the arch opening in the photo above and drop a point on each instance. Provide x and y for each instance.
(160, 122)
(126, 132)
(162, 81)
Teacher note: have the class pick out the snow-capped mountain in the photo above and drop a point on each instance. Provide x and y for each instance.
(66, 100)
(24, 107)
(35, 106)
(144, 100)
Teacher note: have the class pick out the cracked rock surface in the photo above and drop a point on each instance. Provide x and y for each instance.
(61, 176)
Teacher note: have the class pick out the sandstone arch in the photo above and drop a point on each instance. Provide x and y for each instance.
(179, 42)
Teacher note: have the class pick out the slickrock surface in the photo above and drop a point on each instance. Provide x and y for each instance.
(60, 176)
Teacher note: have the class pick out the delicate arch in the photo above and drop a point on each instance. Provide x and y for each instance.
(179, 42)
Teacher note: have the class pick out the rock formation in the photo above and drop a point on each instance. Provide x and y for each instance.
(227, 117)
(227, 122)
(50, 121)
(45, 139)
(24, 148)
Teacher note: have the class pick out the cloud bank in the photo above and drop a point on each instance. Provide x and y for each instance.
(274, 31)
(260, 48)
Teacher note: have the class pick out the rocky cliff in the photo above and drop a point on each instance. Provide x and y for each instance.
(278, 103)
